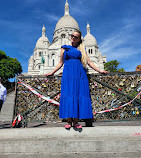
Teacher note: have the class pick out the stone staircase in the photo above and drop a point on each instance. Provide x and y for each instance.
(7, 108)
(56, 142)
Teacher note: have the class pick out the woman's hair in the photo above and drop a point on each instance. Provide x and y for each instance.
(81, 47)
(138, 68)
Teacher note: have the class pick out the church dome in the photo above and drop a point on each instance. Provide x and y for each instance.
(67, 21)
(89, 39)
(43, 40)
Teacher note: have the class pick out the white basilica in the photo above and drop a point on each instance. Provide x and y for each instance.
(47, 55)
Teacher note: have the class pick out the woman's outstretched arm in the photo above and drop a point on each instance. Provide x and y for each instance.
(59, 65)
(93, 66)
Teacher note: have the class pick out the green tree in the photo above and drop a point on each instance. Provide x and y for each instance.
(121, 70)
(2, 55)
(9, 67)
(112, 66)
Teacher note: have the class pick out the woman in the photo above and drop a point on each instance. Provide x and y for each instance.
(75, 101)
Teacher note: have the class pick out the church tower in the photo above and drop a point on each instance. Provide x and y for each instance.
(92, 50)
(50, 52)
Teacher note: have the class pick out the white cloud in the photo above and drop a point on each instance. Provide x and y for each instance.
(17, 25)
(120, 44)
(30, 2)
(43, 14)
(79, 8)
(51, 17)
(123, 53)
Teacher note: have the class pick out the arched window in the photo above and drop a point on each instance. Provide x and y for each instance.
(40, 54)
(53, 55)
(53, 62)
(39, 67)
(91, 51)
(63, 35)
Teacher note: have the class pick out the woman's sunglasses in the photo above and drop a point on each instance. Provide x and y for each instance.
(75, 37)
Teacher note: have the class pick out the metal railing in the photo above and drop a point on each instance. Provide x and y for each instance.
(109, 91)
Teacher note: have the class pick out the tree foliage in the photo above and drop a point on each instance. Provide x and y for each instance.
(112, 66)
(2, 55)
(9, 67)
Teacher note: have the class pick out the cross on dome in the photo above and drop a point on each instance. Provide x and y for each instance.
(67, 8)
(88, 28)
(43, 31)
(89, 39)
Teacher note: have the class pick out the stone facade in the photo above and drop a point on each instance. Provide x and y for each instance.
(47, 55)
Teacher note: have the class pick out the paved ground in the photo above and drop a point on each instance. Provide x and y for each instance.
(56, 142)
(8, 124)
(7, 108)
(49, 140)
(75, 155)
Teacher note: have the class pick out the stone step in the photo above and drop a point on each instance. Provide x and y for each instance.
(74, 155)
(112, 140)
(7, 108)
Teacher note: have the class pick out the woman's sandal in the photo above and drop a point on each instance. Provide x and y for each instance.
(67, 126)
(78, 126)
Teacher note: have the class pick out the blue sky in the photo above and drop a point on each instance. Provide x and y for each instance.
(116, 25)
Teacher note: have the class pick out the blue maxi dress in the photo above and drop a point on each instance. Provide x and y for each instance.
(75, 101)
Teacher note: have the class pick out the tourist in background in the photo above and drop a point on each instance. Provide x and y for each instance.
(3, 93)
(138, 68)
(75, 101)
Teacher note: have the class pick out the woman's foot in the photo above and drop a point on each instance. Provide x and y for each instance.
(78, 126)
(68, 126)
(69, 123)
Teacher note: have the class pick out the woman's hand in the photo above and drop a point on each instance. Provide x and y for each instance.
(93, 66)
(49, 74)
(103, 71)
